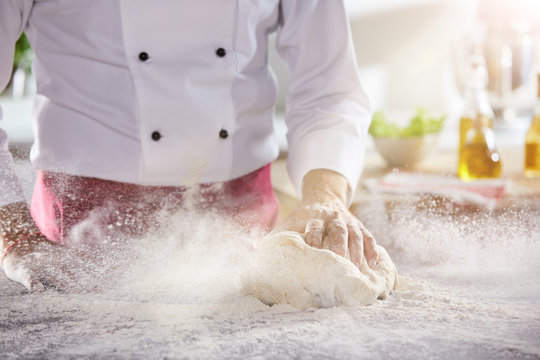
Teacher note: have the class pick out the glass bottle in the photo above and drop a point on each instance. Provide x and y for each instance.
(479, 158)
(478, 154)
(532, 142)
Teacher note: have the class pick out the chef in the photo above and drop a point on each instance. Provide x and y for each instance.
(142, 104)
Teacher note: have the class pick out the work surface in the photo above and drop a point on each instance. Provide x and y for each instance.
(470, 289)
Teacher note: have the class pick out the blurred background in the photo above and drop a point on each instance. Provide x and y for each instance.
(411, 53)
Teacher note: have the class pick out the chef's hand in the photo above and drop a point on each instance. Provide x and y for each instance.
(38, 263)
(35, 262)
(325, 221)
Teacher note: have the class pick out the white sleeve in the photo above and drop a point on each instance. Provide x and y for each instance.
(328, 111)
(13, 17)
(10, 188)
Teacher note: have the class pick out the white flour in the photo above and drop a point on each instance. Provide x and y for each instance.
(470, 290)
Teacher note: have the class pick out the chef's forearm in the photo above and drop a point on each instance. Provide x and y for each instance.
(324, 186)
(11, 190)
(15, 219)
(15, 222)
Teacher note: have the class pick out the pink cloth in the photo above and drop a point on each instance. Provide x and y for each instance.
(62, 201)
(485, 193)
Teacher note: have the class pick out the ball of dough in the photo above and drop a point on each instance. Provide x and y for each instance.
(285, 270)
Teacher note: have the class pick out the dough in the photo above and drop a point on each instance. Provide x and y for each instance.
(284, 269)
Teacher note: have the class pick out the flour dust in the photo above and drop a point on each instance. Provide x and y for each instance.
(499, 250)
(190, 256)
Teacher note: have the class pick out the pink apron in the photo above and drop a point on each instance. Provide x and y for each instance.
(61, 201)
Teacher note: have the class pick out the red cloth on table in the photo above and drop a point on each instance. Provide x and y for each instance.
(61, 201)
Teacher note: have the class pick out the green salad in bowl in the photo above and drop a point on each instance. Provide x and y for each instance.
(421, 123)
(407, 145)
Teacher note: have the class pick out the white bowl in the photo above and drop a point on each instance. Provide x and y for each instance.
(406, 152)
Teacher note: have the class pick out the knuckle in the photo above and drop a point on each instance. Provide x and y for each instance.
(313, 239)
(339, 247)
(315, 225)
(369, 241)
(368, 237)
(338, 230)
(355, 234)
(315, 211)
(339, 222)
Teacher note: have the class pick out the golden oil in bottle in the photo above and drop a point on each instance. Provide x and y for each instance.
(479, 157)
(532, 159)
(465, 124)
(532, 143)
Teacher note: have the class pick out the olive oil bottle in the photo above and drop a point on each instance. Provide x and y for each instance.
(478, 154)
(532, 142)
(479, 158)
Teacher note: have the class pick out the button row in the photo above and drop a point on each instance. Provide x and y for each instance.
(156, 135)
(143, 56)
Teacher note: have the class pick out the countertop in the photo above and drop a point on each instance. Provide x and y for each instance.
(520, 191)
(469, 289)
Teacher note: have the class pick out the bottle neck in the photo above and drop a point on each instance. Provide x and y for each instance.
(535, 124)
(477, 102)
(538, 87)
(481, 121)
(536, 118)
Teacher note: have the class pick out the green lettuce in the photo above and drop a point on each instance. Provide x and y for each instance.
(420, 124)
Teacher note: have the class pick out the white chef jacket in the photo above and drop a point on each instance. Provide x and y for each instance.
(175, 92)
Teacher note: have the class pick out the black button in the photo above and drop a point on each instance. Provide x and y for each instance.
(223, 134)
(221, 52)
(143, 56)
(156, 136)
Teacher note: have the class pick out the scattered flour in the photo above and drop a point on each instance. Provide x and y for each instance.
(468, 289)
